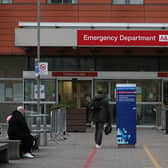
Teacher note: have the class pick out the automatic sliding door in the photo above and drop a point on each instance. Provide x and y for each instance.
(165, 93)
(76, 93)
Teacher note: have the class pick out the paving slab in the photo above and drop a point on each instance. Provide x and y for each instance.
(78, 151)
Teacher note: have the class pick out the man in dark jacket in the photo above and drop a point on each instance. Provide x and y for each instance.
(18, 130)
(99, 116)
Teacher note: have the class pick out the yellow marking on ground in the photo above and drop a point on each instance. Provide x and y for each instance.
(151, 157)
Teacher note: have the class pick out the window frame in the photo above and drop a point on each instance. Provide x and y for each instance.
(63, 2)
(5, 2)
(128, 2)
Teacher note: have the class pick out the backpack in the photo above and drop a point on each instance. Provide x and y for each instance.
(95, 105)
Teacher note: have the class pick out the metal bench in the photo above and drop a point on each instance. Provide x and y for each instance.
(4, 153)
(13, 148)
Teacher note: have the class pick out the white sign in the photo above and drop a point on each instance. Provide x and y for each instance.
(43, 68)
(163, 38)
(42, 92)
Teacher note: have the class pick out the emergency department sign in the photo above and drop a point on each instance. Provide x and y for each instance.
(123, 38)
(126, 114)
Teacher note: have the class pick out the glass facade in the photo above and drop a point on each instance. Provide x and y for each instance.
(62, 1)
(148, 97)
(5, 1)
(112, 63)
(78, 93)
(11, 91)
(32, 109)
(11, 95)
(128, 2)
(47, 90)
(47, 99)
(150, 92)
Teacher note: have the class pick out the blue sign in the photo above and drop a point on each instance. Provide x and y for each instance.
(36, 69)
(126, 113)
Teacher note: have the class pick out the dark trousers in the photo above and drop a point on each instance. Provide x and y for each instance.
(27, 144)
(99, 127)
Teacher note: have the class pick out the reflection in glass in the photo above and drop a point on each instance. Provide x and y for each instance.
(32, 109)
(148, 97)
(128, 2)
(11, 90)
(75, 93)
(30, 90)
(147, 113)
(103, 86)
(6, 109)
(165, 93)
(63, 1)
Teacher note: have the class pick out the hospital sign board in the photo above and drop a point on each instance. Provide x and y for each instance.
(140, 38)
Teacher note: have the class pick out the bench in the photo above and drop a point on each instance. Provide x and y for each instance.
(4, 153)
(13, 148)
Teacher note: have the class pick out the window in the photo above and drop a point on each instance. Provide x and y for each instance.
(11, 91)
(130, 2)
(5, 1)
(47, 90)
(62, 1)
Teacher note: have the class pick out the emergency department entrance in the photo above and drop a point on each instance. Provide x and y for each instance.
(118, 53)
(77, 92)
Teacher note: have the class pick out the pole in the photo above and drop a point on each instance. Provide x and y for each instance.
(38, 61)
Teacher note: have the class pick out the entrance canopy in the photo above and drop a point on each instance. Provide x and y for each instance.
(92, 34)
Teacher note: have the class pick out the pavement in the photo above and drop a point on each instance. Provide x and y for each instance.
(78, 151)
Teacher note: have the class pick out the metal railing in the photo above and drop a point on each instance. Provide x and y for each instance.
(58, 124)
(42, 130)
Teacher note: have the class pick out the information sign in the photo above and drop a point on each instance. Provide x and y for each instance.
(126, 113)
(42, 91)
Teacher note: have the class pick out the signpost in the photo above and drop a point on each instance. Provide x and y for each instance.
(41, 68)
(126, 114)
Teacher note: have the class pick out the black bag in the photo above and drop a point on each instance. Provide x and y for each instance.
(108, 129)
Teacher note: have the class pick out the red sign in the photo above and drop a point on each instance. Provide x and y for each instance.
(162, 74)
(75, 74)
(122, 38)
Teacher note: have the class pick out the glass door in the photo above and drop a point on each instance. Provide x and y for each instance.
(76, 93)
(165, 93)
(148, 98)
(164, 103)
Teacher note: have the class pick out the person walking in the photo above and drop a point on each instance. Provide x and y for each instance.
(100, 115)
(18, 130)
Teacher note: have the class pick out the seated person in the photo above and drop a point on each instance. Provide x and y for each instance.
(18, 130)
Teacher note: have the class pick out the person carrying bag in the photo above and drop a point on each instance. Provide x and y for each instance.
(100, 115)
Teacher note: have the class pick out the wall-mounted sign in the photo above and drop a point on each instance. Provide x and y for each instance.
(75, 74)
(43, 68)
(162, 74)
(42, 91)
(139, 38)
